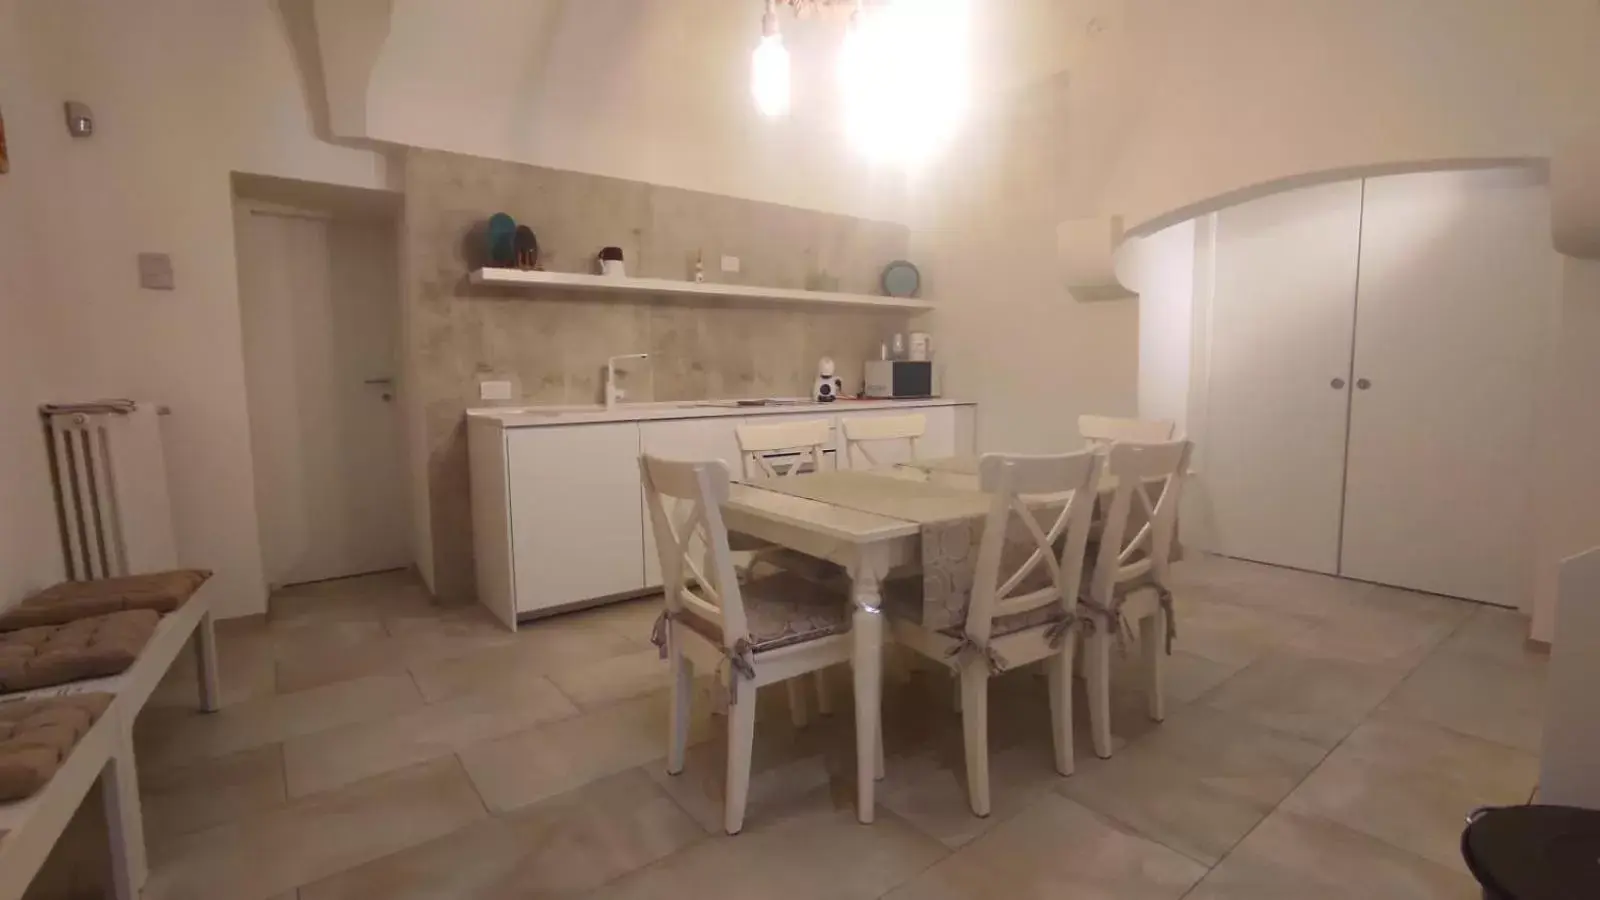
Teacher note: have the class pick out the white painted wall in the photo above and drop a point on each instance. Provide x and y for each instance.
(30, 556)
(1166, 309)
(1570, 495)
(1234, 94)
(183, 91)
(1007, 332)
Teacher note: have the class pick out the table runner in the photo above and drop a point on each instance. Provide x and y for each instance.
(951, 521)
(922, 502)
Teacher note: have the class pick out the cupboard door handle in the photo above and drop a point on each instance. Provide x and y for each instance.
(1363, 384)
(1337, 384)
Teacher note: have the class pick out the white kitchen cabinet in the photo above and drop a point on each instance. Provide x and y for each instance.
(576, 530)
(558, 509)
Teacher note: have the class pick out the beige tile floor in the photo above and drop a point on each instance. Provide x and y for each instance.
(1325, 739)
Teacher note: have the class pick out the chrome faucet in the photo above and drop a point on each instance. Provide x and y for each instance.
(615, 394)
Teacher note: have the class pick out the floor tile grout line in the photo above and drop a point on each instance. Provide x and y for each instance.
(1140, 834)
(1323, 761)
(1276, 807)
(397, 851)
(1440, 647)
(948, 851)
(472, 782)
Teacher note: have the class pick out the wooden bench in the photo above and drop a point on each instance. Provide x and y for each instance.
(31, 827)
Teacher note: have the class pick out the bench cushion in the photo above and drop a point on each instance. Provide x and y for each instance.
(37, 736)
(88, 648)
(70, 600)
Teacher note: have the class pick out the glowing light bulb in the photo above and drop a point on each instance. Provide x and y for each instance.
(853, 55)
(905, 80)
(769, 71)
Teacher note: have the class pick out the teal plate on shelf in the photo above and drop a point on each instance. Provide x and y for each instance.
(901, 279)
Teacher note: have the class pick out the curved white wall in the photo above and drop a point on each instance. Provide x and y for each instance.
(655, 92)
(1240, 94)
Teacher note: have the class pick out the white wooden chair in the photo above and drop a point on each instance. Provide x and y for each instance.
(800, 444)
(1024, 597)
(1099, 431)
(784, 450)
(1129, 582)
(862, 434)
(751, 634)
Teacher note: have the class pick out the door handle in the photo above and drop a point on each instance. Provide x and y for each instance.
(1337, 384)
(379, 381)
(1363, 384)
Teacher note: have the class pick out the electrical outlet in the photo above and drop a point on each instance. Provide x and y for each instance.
(494, 390)
(730, 264)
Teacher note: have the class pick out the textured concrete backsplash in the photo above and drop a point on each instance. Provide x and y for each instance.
(552, 346)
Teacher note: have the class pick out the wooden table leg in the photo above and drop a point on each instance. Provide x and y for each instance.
(867, 661)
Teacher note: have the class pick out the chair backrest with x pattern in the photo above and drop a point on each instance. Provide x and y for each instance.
(1042, 510)
(862, 431)
(1100, 431)
(801, 443)
(707, 587)
(1127, 554)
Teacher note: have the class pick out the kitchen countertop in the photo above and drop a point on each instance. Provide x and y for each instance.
(534, 416)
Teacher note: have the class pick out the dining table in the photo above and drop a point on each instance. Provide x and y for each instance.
(869, 522)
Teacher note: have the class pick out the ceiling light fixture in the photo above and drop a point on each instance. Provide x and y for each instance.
(769, 67)
(902, 70)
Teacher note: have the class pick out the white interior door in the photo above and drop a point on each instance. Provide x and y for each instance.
(1279, 365)
(1458, 282)
(319, 305)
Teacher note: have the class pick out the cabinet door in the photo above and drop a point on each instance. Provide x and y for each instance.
(575, 521)
(1278, 383)
(1458, 290)
(941, 437)
(697, 439)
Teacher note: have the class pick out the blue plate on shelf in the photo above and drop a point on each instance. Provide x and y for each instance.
(901, 279)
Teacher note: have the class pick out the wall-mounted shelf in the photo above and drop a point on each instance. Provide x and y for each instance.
(663, 287)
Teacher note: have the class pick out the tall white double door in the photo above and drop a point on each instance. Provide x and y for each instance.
(1376, 354)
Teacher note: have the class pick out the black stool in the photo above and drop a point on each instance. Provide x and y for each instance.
(1534, 852)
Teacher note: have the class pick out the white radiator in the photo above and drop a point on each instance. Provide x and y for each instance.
(110, 479)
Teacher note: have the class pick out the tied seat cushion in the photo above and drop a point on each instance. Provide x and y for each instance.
(70, 600)
(88, 648)
(782, 610)
(37, 736)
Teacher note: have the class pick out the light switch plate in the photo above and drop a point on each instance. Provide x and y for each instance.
(730, 264)
(494, 390)
(155, 272)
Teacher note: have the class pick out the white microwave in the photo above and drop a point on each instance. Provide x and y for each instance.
(894, 379)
